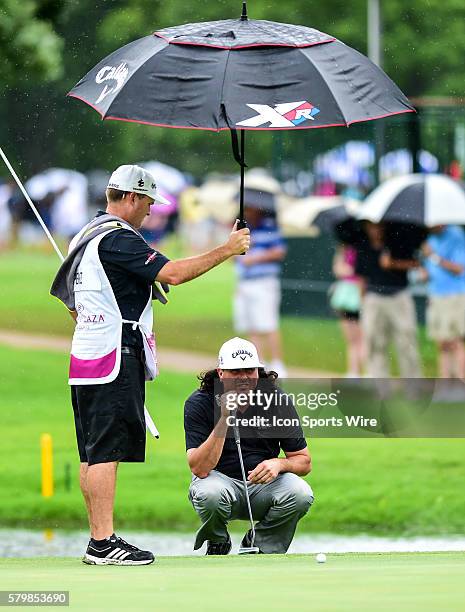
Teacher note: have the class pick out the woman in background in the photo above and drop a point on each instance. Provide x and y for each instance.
(346, 301)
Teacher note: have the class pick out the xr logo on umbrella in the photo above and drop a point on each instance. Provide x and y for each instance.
(289, 114)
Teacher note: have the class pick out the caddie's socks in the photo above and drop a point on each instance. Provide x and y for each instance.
(102, 543)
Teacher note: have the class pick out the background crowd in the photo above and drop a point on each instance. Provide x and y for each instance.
(374, 266)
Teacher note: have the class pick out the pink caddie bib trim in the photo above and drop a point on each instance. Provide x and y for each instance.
(92, 368)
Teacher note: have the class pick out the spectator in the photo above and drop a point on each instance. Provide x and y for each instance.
(345, 300)
(6, 191)
(388, 310)
(258, 292)
(444, 253)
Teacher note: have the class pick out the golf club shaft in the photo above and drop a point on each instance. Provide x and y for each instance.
(241, 461)
(31, 204)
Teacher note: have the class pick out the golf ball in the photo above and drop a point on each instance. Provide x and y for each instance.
(321, 558)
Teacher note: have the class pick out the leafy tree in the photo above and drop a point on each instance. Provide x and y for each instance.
(423, 49)
(29, 46)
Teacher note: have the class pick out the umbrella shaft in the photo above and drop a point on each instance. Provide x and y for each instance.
(241, 200)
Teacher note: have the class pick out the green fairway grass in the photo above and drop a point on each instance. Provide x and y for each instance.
(382, 486)
(197, 318)
(385, 582)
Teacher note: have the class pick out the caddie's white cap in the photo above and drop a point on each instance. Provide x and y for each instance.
(238, 353)
(136, 179)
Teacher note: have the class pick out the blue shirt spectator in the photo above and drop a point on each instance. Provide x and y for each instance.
(263, 237)
(448, 244)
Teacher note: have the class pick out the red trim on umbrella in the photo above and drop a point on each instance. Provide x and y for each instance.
(174, 42)
(257, 129)
(409, 110)
(179, 127)
(72, 95)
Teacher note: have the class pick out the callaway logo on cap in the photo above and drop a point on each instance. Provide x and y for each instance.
(238, 353)
(136, 179)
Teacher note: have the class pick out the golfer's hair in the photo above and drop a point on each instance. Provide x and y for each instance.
(115, 195)
(207, 379)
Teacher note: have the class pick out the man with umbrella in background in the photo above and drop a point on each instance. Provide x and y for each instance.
(388, 309)
(258, 292)
(108, 282)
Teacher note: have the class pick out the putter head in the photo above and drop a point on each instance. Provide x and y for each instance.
(248, 550)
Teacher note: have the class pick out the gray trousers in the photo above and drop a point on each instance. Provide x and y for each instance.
(277, 506)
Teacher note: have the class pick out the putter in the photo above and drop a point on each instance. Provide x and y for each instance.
(245, 550)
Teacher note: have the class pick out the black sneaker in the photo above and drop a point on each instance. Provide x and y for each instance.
(219, 548)
(116, 551)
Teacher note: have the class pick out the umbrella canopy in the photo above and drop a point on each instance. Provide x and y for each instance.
(68, 191)
(322, 213)
(239, 75)
(420, 199)
(259, 200)
(216, 198)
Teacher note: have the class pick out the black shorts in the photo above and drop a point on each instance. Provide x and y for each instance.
(109, 418)
(349, 316)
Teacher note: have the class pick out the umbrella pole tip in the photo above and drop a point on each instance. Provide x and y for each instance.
(244, 11)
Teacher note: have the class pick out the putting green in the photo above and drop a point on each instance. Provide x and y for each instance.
(364, 582)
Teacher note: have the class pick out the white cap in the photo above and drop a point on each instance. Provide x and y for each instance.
(136, 179)
(238, 353)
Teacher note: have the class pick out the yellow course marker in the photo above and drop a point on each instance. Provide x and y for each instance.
(47, 465)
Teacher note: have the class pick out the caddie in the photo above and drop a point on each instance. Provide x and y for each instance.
(108, 282)
(279, 497)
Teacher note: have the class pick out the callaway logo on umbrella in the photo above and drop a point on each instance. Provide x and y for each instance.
(240, 74)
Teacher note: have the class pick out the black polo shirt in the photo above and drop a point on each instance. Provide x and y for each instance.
(199, 421)
(378, 280)
(123, 255)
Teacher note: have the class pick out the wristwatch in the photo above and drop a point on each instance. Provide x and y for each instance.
(435, 259)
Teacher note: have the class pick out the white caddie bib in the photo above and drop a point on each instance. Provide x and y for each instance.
(96, 346)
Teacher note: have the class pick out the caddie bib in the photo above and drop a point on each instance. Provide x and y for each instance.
(96, 346)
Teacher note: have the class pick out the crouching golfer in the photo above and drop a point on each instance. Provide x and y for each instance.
(279, 498)
(107, 282)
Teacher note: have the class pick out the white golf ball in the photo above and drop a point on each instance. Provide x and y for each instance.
(321, 558)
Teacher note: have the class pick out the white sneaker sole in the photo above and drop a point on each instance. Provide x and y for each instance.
(91, 560)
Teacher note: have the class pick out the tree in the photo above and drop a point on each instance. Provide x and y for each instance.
(29, 46)
(423, 53)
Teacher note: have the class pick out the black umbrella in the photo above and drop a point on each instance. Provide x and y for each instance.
(240, 75)
(327, 214)
(402, 239)
(421, 199)
(330, 218)
(260, 200)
